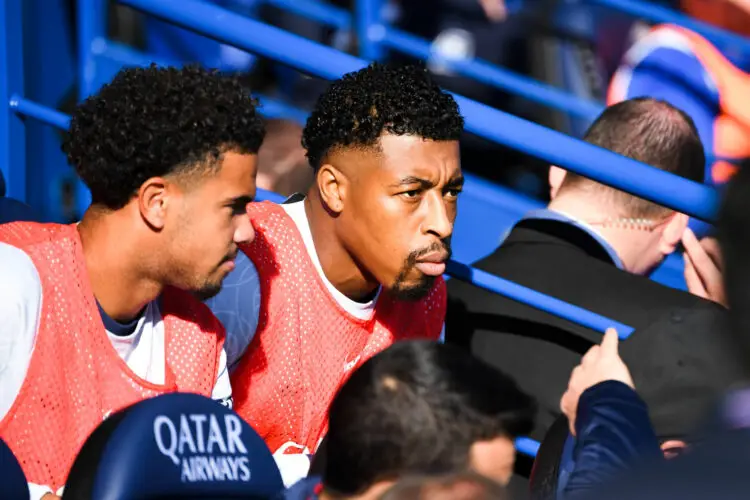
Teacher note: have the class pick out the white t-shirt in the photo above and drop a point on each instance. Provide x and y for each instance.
(238, 306)
(20, 307)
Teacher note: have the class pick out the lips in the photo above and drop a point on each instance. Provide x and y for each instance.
(432, 264)
(229, 262)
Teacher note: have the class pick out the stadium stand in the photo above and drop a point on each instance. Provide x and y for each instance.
(487, 210)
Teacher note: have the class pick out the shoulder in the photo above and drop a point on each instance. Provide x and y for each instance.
(237, 306)
(265, 215)
(184, 305)
(690, 316)
(20, 308)
(20, 278)
(686, 351)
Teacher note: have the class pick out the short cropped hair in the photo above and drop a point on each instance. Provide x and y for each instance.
(382, 98)
(652, 132)
(158, 121)
(417, 408)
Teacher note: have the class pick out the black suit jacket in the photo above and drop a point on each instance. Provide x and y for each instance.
(680, 355)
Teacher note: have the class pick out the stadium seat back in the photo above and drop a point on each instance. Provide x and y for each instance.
(14, 211)
(12, 479)
(550, 461)
(173, 446)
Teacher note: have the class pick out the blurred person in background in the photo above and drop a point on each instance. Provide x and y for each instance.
(708, 82)
(282, 165)
(418, 408)
(496, 32)
(617, 454)
(593, 247)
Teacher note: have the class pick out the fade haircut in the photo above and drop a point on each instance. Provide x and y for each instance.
(652, 132)
(382, 98)
(417, 408)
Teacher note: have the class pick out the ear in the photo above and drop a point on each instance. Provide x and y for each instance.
(154, 198)
(332, 187)
(556, 178)
(672, 233)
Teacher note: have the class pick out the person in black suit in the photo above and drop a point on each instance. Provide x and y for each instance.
(612, 460)
(594, 247)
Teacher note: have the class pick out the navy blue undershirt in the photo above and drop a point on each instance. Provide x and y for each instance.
(115, 327)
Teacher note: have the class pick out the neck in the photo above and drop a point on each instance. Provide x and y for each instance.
(632, 246)
(121, 290)
(338, 265)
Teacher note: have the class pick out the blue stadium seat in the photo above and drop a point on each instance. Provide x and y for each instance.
(13, 210)
(12, 478)
(173, 446)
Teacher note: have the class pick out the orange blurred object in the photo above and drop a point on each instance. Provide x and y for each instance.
(732, 15)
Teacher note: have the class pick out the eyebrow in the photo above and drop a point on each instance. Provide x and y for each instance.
(245, 198)
(457, 181)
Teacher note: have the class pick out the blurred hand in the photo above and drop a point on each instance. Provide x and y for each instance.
(703, 268)
(51, 496)
(601, 363)
(495, 10)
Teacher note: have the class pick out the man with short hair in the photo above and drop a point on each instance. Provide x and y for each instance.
(336, 276)
(419, 408)
(617, 453)
(594, 247)
(97, 316)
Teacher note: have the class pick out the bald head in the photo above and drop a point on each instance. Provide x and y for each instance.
(652, 132)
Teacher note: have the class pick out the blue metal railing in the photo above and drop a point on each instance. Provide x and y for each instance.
(459, 270)
(210, 20)
(490, 74)
(647, 182)
(456, 269)
(12, 152)
(375, 35)
(535, 299)
(655, 13)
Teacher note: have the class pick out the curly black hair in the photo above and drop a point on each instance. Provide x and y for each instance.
(157, 121)
(398, 99)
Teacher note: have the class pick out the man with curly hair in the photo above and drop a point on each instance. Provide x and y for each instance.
(338, 275)
(99, 315)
